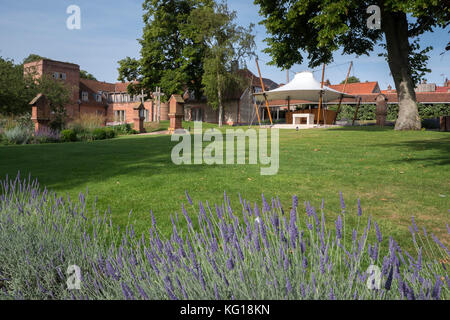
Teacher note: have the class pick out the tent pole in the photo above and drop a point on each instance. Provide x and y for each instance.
(256, 107)
(320, 98)
(356, 111)
(343, 90)
(257, 113)
(262, 87)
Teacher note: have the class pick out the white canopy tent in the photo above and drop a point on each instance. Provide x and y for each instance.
(302, 87)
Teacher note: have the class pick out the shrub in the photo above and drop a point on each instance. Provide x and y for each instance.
(85, 136)
(110, 133)
(99, 134)
(122, 129)
(68, 135)
(18, 135)
(46, 136)
(263, 253)
(7, 123)
(87, 122)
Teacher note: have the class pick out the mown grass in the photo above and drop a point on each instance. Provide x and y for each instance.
(395, 174)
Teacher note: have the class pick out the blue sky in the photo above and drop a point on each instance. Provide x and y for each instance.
(109, 30)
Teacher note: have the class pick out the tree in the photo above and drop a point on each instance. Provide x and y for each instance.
(351, 79)
(322, 27)
(58, 95)
(32, 57)
(169, 58)
(15, 92)
(226, 45)
(86, 75)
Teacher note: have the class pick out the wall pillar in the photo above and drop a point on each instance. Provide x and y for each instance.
(176, 112)
(139, 117)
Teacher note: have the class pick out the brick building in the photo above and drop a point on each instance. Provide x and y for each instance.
(89, 96)
(238, 106)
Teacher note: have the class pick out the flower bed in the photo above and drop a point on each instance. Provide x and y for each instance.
(256, 252)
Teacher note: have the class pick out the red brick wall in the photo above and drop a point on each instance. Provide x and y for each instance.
(72, 72)
(129, 111)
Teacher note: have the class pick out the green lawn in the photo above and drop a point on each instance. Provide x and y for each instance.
(395, 174)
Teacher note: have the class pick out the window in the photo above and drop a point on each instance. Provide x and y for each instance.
(98, 97)
(55, 75)
(62, 76)
(84, 96)
(119, 116)
(147, 115)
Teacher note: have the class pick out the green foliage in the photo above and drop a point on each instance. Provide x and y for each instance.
(68, 135)
(226, 44)
(417, 59)
(351, 79)
(18, 135)
(32, 57)
(110, 133)
(15, 91)
(86, 75)
(320, 28)
(309, 257)
(367, 112)
(169, 58)
(99, 134)
(122, 129)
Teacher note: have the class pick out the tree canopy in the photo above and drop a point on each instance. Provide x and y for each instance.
(351, 79)
(17, 89)
(170, 58)
(86, 75)
(320, 28)
(226, 46)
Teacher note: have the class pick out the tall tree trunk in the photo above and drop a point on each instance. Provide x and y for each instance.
(395, 28)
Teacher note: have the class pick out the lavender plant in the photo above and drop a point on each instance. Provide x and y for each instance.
(46, 135)
(258, 252)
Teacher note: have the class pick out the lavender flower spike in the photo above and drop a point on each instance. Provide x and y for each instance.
(188, 198)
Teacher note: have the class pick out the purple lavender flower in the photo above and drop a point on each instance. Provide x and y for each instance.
(288, 286)
(388, 283)
(332, 297)
(338, 224)
(230, 263)
(128, 294)
(188, 198)
(359, 208)
(342, 202)
(266, 207)
(379, 237)
(436, 292)
(294, 201)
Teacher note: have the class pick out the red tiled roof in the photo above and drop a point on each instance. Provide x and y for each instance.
(357, 88)
(442, 89)
(97, 86)
(122, 86)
